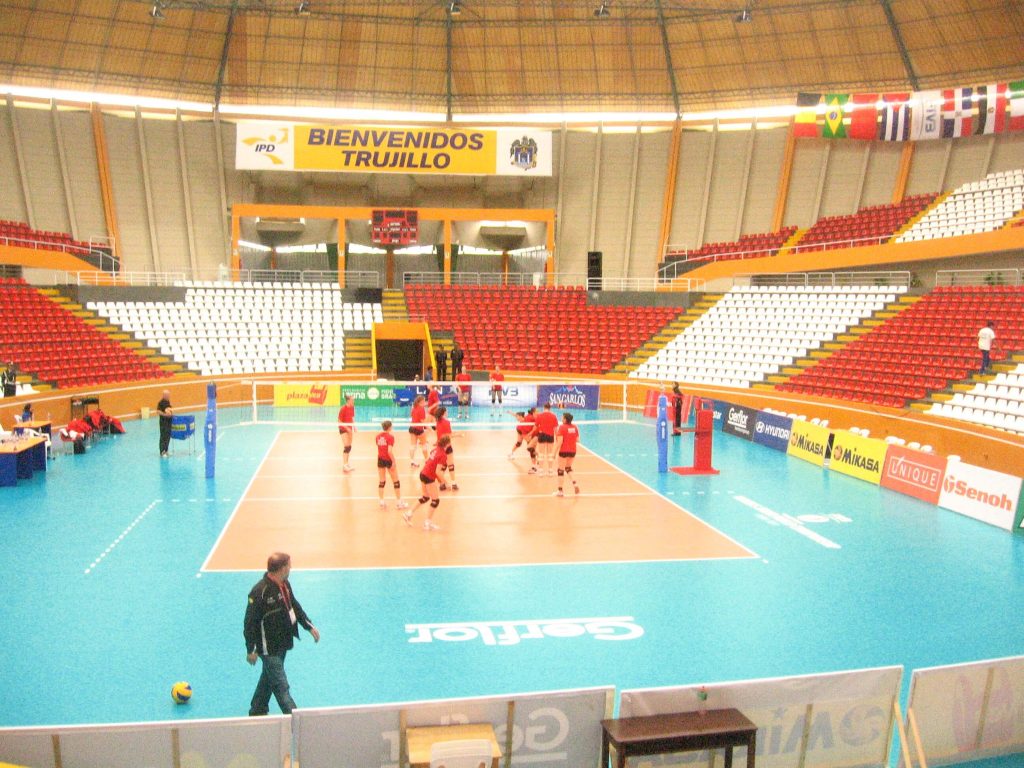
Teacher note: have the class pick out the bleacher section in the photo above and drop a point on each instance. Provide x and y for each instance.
(535, 329)
(869, 226)
(19, 234)
(998, 403)
(978, 206)
(747, 247)
(923, 348)
(756, 331)
(229, 328)
(48, 341)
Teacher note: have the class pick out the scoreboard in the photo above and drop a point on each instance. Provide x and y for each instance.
(395, 227)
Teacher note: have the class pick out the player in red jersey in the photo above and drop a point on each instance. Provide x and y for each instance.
(566, 439)
(418, 430)
(444, 427)
(386, 464)
(346, 427)
(547, 423)
(433, 400)
(526, 433)
(496, 377)
(465, 392)
(428, 484)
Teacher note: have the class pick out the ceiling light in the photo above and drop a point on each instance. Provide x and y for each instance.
(302, 9)
(455, 8)
(602, 12)
(744, 16)
(157, 11)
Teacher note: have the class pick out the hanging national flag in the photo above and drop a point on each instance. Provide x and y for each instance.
(926, 115)
(991, 108)
(806, 122)
(834, 127)
(864, 116)
(957, 112)
(1016, 94)
(895, 125)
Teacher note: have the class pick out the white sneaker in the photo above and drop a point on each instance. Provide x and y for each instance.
(511, 455)
(429, 526)
(347, 468)
(414, 463)
(533, 471)
(383, 504)
(576, 489)
(405, 505)
(407, 517)
(558, 493)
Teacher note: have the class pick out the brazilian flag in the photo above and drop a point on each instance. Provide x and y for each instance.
(835, 127)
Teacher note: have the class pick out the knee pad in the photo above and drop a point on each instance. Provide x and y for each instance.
(424, 499)
(568, 470)
(561, 472)
(518, 443)
(348, 449)
(434, 503)
(451, 467)
(380, 484)
(532, 452)
(398, 484)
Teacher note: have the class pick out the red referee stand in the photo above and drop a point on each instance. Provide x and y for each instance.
(703, 433)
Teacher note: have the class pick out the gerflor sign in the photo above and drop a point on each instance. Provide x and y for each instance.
(739, 421)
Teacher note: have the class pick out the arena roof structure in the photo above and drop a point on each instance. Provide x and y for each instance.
(506, 56)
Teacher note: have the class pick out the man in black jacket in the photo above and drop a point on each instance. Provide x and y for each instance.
(272, 621)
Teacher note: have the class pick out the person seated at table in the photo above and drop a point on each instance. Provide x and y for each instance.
(26, 414)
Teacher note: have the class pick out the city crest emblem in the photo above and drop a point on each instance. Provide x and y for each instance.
(523, 153)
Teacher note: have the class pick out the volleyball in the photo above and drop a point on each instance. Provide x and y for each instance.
(181, 692)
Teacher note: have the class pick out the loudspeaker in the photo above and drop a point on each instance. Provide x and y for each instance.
(594, 270)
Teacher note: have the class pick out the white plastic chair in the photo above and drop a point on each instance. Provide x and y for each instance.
(466, 753)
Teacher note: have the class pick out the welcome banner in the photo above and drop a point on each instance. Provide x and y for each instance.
(274, 146)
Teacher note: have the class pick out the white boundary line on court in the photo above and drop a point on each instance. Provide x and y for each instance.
(238, 504)
(99, 559)
(674, 503)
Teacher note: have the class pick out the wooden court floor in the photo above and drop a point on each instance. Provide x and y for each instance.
(299, 501)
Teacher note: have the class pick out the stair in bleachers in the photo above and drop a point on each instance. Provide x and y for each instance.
(924, 349)
(40, 332)
(358, 352)
(657, 342)
(393, 305)
(994, 399)
(754, 332)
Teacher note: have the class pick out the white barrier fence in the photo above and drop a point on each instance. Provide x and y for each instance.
(560, 728)
(254, 742)
(812, 721)
(969, 711)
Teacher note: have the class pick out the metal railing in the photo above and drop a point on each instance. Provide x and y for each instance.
(687, 255)
(945, 278)
(893, 278)
(542, 279)
(97, 253)
(221, 278)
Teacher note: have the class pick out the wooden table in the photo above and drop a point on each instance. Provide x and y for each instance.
(420, 740)
(680, 732)
(21, 458)
(39, 425)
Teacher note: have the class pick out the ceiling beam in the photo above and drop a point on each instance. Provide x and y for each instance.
(668, 58)
(898, 37)
(448, 67)
(225, 48)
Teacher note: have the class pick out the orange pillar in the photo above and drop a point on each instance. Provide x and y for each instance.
(447, 251)
(549, 264)
(342, 243)
(236, 255)
(899, 190)
(784, 177)
(668, 201)
(106, 187)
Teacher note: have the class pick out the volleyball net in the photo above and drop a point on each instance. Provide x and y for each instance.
(317, 402)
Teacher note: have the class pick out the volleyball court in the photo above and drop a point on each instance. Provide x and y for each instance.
(301, 500)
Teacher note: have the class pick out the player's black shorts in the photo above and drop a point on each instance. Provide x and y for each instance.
(425, 480)
(449, 450)
(566, 454)
(464, 398)
(416, 430)
(384, 463)
(542, 438)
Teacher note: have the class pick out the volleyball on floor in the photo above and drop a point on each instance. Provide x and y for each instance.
(181, 692)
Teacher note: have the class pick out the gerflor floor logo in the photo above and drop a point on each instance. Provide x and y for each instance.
(616, 628)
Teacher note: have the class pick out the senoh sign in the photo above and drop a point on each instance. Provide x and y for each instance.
(983, 494)
(914, 473)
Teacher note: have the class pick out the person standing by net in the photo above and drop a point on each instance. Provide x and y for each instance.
(547, 423)
(566, 439)
(346, 427)
(386, 465)
(441, 363)
(497, 388)
(457, 357)
(417, 430)
(465, 392)
(428, 485)
(166, 413)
